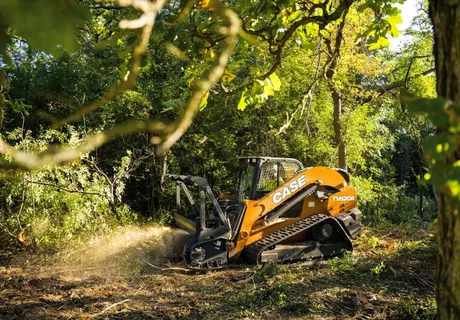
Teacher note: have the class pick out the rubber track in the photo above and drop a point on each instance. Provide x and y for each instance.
(252, 252)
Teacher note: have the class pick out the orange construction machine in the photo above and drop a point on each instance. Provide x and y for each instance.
(280, 212)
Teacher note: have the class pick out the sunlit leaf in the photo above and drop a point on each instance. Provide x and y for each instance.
(380, 43)
(295, 16)
(276, 82)
(437, 147)
(242, 104)
(268, 89)
(393, 21)
(325, 34)
(204, 4)
(204, 101)
(312, 29)
(453, 187)
(228, 76)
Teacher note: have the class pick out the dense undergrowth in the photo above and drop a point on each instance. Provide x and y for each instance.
(58, 206)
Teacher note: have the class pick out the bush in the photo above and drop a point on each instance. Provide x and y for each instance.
(59, 204)
(390, 204)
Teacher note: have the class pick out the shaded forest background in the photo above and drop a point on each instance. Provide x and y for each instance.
(124, 181)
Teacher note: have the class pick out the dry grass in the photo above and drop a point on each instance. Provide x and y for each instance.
(130, 275)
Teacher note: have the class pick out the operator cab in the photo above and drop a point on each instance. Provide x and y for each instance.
(257, 176)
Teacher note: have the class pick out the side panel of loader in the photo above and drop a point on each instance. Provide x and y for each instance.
(317, 190)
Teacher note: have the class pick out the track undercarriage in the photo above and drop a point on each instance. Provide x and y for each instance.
(323, 236)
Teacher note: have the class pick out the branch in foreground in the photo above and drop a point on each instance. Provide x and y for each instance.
(166, 134)
(145, 23)
(232, 30)
(64, 155)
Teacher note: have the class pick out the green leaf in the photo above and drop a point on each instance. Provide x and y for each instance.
(312, 29)
(396, 19)
(116, 39)
(45, 24)
(308, 46)
(204, 101)
(228, 75)
(437, 147)
(447, 179)
(295, 16)
(175, 104)
(242, 104)
(453, 187)
(433, 107)
(4, 38)
(393, 21)
(268, 89)
(303, 42)
(258, 87)
(380, 43)
(325, 34)
(276, 82)
(362, 7)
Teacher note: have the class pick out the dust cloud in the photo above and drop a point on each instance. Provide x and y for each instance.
(128, 251)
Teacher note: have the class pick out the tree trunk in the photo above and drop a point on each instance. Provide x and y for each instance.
(341, 145)
(445, 16)
(334, 55)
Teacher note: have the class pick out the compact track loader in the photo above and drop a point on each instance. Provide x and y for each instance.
(280, 212)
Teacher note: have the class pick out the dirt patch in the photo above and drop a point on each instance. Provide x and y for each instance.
(132, 275)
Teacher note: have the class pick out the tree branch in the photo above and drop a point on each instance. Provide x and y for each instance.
(30, 161)
(107, 7)
(322, 21)
(397, 84)
(307, 95)
(410, 66)
(106, 178)
(65, 189)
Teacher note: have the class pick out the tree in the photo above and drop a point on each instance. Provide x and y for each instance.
(444, 15)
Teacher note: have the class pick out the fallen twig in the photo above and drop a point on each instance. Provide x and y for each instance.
(391, 268)
(254, 275)
(110, 307)
(63, 305)
(167, 269)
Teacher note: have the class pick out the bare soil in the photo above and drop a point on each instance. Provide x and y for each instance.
(133, 275)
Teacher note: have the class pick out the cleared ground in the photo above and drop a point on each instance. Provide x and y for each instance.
(132, 275)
